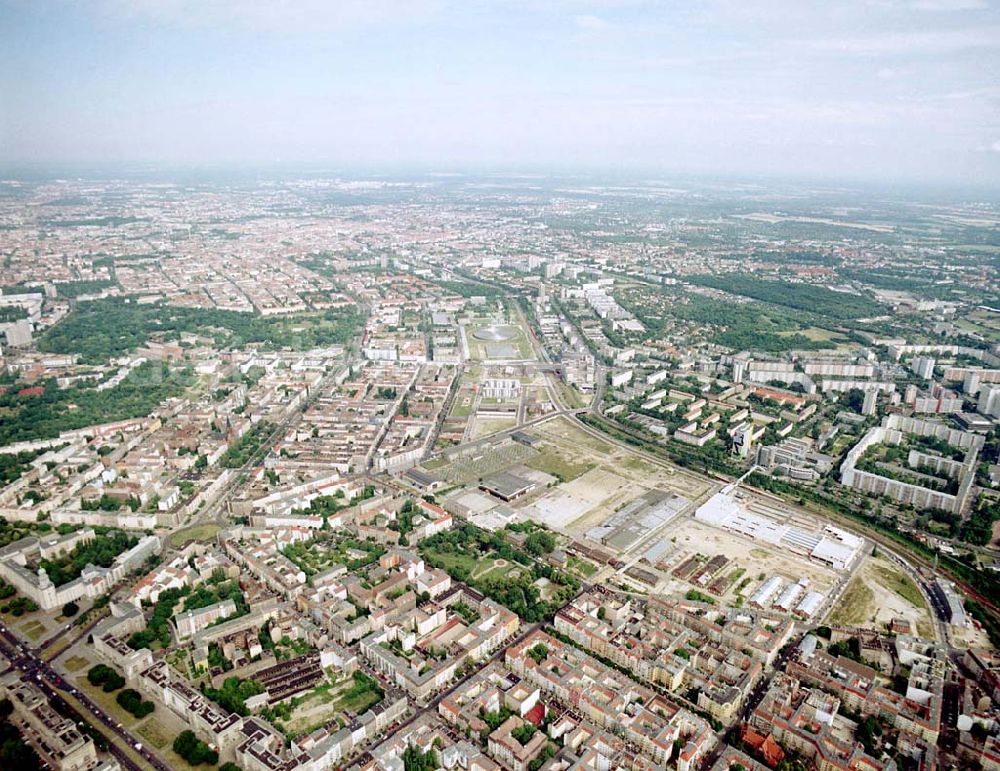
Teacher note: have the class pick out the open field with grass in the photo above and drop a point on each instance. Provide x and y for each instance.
(570, 396)
(817, 334)
(154, 733)
(176, 762)
(328, 701)
(855, 605)
(452, 560)
(75, 664)
(582, 567)
(577, 447)
(570, 434)
(879, 593)
(486, 426)
(33, 630)
(982, 323)
(203, 532)
(900, 584)
(358, 700)
(106, 701)
(496, 569)
(553, 462)
(469, 468)
(463, 406)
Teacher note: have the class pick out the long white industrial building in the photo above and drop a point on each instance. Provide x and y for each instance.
(831, 546)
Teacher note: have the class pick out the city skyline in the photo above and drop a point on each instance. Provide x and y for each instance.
(891, 92)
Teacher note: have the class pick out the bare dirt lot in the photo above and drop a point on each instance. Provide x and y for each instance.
(879, 593)
(584, 502)
(690, 536)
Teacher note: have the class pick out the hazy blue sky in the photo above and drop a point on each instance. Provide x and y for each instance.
(887, 89)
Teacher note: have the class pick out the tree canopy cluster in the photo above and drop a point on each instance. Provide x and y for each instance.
(14, 751)
(516, 592)
(131, 701)
(101, 551)
(234, 693)
(14, 464)
(29, 416)
(158, 627)
(106, 677)
(209, 594)
(415, 759)
(98, 330)
(247, 447)
(801, 297)
(194, 750)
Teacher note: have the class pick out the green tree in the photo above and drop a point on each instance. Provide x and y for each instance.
(193, 750)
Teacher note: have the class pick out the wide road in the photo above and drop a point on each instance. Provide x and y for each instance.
(33, 667)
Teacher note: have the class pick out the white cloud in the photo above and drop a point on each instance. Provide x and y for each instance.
(949, 5)
(910, 43)
(273, 15)
(591, 23)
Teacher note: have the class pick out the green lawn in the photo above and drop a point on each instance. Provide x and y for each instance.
(359, 703)
(582, 567)
(555, 463)
(901, 585)
(488, 426)
(362, 693)
(451, 560)
(106, 701)
(154, 733)
(460, 410)
(854, 606)
(204, 532)
(495, 573)
(570, 396)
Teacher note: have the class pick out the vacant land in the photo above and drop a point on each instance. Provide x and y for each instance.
(855, 606)
(755, 558)
(491, 460)
(569, 432)
(570, 396)
(898, 597)
(586, 501)
(205, 532)
(487, 426)
(900, 584)
(582, 567)
(516, 346)
(552, 461)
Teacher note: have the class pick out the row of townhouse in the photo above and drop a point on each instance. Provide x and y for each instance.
(582, 745)
(801, 720)
(857, 686)
(640, 637)
(612, 701)
(421, 650)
